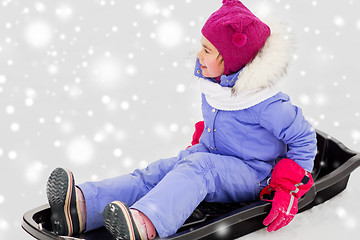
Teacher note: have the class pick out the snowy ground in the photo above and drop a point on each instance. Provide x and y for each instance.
(103, 86)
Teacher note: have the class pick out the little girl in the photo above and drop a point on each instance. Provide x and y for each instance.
(248, 125)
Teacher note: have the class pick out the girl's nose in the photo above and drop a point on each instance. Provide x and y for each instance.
(198, 55)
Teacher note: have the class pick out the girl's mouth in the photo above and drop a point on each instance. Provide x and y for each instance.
(203, 67)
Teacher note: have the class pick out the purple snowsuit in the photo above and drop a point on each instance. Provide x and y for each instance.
(232, 163)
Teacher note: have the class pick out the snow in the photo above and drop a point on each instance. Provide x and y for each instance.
(102, 87)
(337, 218)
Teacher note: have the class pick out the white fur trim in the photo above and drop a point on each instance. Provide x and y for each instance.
(271, 62)
(222, 97)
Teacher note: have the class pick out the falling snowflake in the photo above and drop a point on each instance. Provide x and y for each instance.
(33, 173)
(107, 72)
(321, 99)
(99, 137)
(38, 34)
(169, 34)
(64, 12)
(174, 127)
(12, 155)
(143, 164)
(125, 105)
(80, 151)
(29, 102)
(131, 70)
(127, 163)
(117, 152)
(10, 109)
(94, 177)
(40, 7)
(4, 225)
(305, 99)
(105, 99)
(14, 127)
(355, 134)
(66, 127)
(53, 69)
(149, 8)
(2, 79)
(339, 21)
(162, 131)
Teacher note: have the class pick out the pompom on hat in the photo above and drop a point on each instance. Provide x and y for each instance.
(236, 33)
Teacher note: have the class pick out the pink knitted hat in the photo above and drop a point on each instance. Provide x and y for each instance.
(237, 34)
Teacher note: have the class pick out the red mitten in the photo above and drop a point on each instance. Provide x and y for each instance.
(288, 183)
(199, 128)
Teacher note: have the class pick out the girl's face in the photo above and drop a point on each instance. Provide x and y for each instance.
(212, 63)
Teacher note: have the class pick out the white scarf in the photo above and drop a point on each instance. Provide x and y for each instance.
(222, 98)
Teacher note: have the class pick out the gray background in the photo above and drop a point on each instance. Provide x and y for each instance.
(103, 87)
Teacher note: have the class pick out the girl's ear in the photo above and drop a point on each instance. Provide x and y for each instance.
(221, 58)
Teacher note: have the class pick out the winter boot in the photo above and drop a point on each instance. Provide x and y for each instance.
(125, 223)
(66, 216)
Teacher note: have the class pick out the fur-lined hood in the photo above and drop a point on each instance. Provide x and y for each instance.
(268, 66)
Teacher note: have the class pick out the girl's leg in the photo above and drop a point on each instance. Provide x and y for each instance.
(80, 205)
(127, 188)
(196, 177)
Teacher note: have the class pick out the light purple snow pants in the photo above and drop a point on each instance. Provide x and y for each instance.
(169, 190)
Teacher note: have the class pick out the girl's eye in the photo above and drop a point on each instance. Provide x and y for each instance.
(206, 50)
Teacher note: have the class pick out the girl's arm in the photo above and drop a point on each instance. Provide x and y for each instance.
(291, 177)
(288, 124)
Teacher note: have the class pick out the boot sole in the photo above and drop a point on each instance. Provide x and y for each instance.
(119, 222)
(61, 195)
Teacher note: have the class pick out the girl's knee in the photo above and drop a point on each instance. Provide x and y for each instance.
(200, 162)
(198, 148)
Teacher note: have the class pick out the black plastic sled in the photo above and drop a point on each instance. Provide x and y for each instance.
(333, 165)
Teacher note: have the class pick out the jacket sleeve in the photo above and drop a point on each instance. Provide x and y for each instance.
(287, 123)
